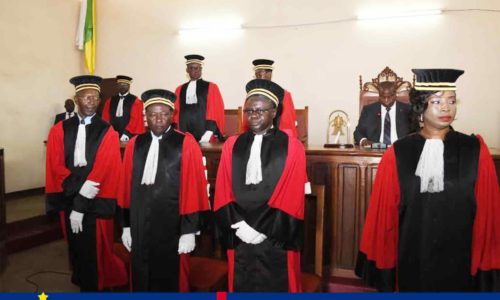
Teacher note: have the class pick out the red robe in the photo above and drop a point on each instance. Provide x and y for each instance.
(190, 186)
(135, 123)
(285, 203)
(287, 119)
(213, 112)
(379, 259)
(105, 170)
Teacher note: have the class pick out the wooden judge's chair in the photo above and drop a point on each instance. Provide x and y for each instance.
(369, 91)
(302, 116)
(233, 119)
(314, 233)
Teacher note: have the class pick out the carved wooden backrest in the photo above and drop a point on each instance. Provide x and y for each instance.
(369, 91)
(233, 119)
(302, 116)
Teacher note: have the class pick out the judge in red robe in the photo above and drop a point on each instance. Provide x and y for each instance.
(199, 108)
(259, 198)
(163, 191)
(433, 223)
(124, 111)
(285, 117)
(82, 170)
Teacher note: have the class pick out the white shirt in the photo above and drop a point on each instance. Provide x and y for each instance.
(69, 115)
(392, 114)
(86, 120)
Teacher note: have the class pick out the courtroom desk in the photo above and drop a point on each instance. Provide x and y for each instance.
(348, 176)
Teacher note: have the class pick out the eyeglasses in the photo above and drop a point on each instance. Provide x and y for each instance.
(258, 111)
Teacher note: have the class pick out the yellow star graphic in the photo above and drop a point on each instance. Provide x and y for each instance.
(42, 296)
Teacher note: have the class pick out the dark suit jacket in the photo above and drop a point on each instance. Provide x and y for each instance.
(60, 117)
(369, 122)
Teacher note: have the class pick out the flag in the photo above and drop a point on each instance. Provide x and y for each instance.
(85, 34)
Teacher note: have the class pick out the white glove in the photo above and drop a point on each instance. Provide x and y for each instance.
(124, 138)
(246, 233)
(259, 239)
(127, 238)
(76, 220)
(186, 243)
(89, 189)
(206, 136)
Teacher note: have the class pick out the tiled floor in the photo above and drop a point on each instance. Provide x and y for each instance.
(48, 258)
(24, 208)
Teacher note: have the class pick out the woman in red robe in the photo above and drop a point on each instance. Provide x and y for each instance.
(433, 223)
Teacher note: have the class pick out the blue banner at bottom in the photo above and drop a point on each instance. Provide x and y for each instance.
(246, 296)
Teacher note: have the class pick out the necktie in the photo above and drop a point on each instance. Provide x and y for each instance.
(387, 127)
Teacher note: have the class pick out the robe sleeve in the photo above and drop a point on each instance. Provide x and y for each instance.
(225, 208)
(486, 231)
(135, 125)
(215, 107)
(224, 180)
(193, 194)
(288, 196)
(288, 118)
(55, 168)
(107, 165)
(105, 110)
(105, 171)
(177, 105)
(377, 257)
(125, 185)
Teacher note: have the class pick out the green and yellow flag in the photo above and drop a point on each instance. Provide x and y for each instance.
(85, 36)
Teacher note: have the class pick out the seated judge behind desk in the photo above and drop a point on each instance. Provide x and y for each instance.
(384, 121)
(69, 105)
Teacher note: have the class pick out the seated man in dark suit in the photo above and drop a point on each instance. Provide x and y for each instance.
(384, 121)
(69, 105)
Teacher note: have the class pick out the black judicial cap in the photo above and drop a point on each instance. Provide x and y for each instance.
(436, 79)
(263, 64)
(267, 88)
(123, 79)
(83, 82)
(194, 59)
(158, 96)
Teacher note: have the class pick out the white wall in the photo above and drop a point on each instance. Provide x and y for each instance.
(37, 57)
(319, 64)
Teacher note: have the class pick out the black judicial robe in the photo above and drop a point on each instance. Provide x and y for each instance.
(91, 252)
(132, 121)
(207, 114)
(158, 214)
(447, 241)
(274, 207)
